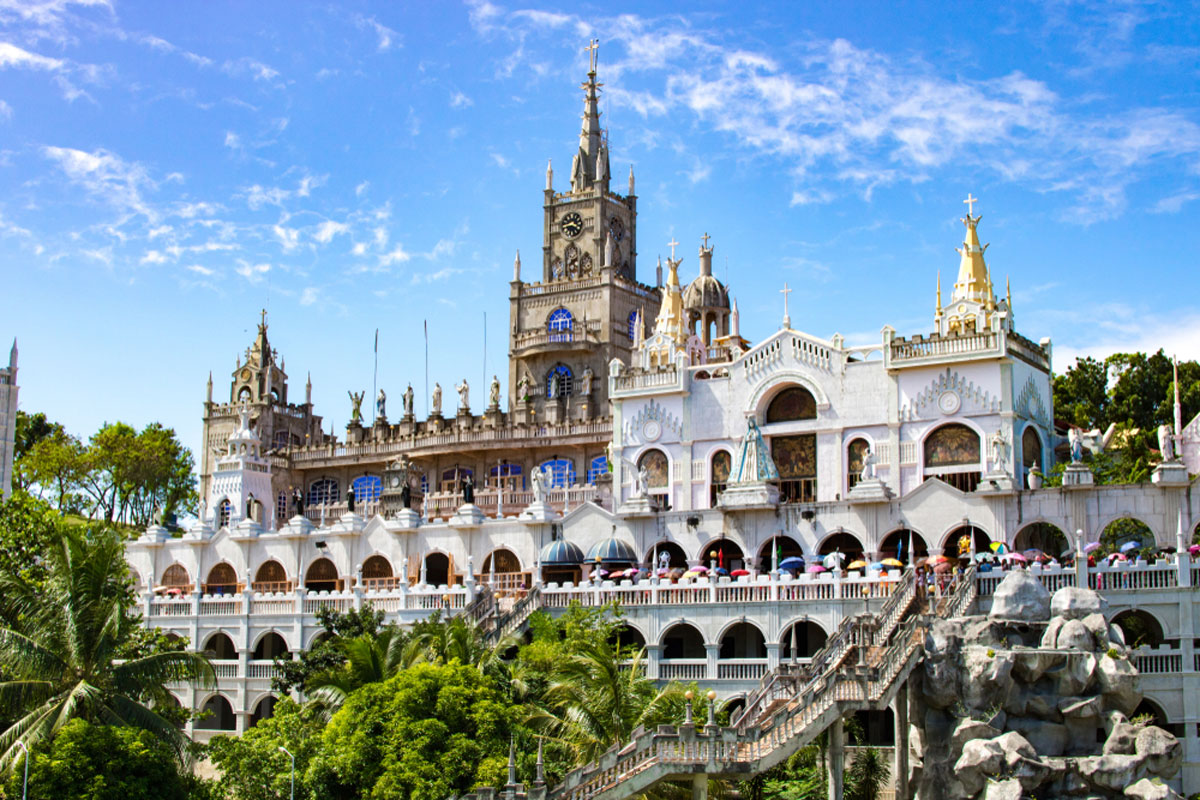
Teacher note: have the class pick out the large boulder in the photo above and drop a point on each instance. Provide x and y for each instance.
(988, 676)
(1162, 750)
(980, 758)
(1047, 738)
(1146, 789)
(1118, 683)
(1074, 635)
(1020, 597)
(968, 729)
(1122, 739)
(1072, 602)
(1075, 675)
(1003, 790)
(1112, 772)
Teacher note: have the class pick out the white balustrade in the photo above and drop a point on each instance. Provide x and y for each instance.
(683, 669)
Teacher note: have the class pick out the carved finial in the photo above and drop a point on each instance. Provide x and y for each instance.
(549, 176)
(705, 239)
(517, 267)
(631, 180)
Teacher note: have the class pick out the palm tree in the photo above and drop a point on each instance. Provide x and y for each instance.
(598, 699)
(370, 658)
(59, 660)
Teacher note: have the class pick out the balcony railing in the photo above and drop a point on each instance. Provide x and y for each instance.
(942, 346)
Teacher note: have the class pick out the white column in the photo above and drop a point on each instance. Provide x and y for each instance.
(836, 758)
(901, 763)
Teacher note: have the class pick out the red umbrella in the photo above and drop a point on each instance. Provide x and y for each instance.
(737, 573)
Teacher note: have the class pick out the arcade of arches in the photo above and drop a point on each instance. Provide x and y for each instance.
(808, 636)
(271, 646)
(773, 552)
(1042, 536)
(677, 559)
(964, 540)
(219, 647)
(682, 641)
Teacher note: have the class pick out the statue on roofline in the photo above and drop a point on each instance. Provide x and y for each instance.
(437, 398)
(408, 401)
(381, 405)
(463, 390)
(356, 407)
(494, 393)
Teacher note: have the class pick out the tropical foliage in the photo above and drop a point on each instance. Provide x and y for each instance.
(60, 647)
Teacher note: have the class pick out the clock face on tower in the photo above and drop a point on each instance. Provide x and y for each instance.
(572, 225)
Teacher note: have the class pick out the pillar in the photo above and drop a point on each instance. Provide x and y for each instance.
(901, 719)
(712, 651)
(836, 758)
(700, 787)
(653, 660)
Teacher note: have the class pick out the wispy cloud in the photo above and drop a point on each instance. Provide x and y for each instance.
(106, 177)
(385, 37)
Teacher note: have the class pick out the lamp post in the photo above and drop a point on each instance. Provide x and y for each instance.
(293, 758)
(25, 786)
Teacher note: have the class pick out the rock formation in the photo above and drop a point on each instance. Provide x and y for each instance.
(1034, 700)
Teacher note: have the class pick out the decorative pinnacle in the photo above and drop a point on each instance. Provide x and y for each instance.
(705, 239)
(970, 202)
(672, 244)
(787, 318)
(592, 55)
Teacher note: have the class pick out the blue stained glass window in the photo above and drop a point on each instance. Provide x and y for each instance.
(597, 467)
(560, 325)
(367, 488)
(325, 490)
(561, 472)
(632, 323)
(223, 513)
(561, 375)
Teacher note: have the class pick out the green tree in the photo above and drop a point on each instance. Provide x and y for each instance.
(58, 655)
(130, 475)
(28, 528)
(29, 430)
(253, 767)
(370, 658)
(55, 465)
(327, 653)
(1081, 394)
(94, 762)
(430, 732)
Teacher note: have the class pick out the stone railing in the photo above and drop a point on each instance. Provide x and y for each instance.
(507, 503)
(581, 332)
(636, 379)
(919, 347)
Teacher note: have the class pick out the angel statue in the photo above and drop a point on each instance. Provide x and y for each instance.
(356, 407)
(641, 479)
(868, 466)
(999, 451)
(1166, 442)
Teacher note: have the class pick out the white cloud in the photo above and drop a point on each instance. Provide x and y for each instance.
(1174, 203)
(289, 238)
(804, 197)
(5, 110)
(161, 230)
(13, 56)
(153, 257)
(246, 65)
(308, 296)
(1137, 331)
(258, 196)
(361, 189)
(385, 36)
(398, 255)
(329, 229)
(359, 249)
(232, 140)
(106, 177)
(252, 272)
(201, 270)
(460, 100)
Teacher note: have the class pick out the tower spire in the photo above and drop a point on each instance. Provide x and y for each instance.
(593, 154)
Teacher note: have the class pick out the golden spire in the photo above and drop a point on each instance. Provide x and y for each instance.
(670, 316)
(939, 292)
(1008, 292)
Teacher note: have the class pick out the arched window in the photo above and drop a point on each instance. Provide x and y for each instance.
(280, 440)
(795, 402)
(220, 716)
(1031, 449)
(720, 466)
(561, 472)
(952, 453)
(281, 507)
(271, 646)
(633, 324)
(220, 646)
(322, 576)
(367, 488)
(559, 381)
(856, 453)
(796, 459)
(224, 510)
(596, 467)
(506, 476)
(176, 576)
(376, 567)
(323, 491)
(271, 577)
(243, 394)
(560, 325)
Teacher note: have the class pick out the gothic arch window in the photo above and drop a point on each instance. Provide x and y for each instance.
(632, 324)
(792, 403)
(1031, 448)
(560, 471)
(270, 577)
(322, 576)
(224, 510)
(243, 394)
(559, 381)
(856, 453)
(367, 488)
(560, 324)
(507, 476)
(376, 567)
(596, 467)
(280, 440)
(323, 491)
(952, 453)
(176, 576)
(221, 580)
(720, 466)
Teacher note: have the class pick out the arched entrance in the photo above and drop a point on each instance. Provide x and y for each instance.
(723, 554)
(271, 646)
(322, 576)
(263, 709)
(898, 544)
(682, 640)
(437, 569)
(627, 639)
(221, 580)
(219, 647)
(377, 573)
(953, 544)
(1141, 628)
(1120, 533)
(1042, 536)
(219, 715)
(775, 550)
(742, 640)
(502, 571)
(675, 557)
(845, 543)
(271, 578)
(808, 636)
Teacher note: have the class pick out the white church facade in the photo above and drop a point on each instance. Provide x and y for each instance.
(641, 432)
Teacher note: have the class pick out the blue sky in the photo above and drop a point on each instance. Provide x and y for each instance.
(168, 169)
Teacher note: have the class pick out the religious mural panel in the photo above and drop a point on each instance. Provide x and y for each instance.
(952, 446)
(795, 456)
(722, 464)
(655, 463)
(793, 403)
(856, 453)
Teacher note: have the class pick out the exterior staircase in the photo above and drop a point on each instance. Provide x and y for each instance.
(862, 666)
(494, 623)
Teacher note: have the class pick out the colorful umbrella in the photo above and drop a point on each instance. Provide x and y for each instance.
(833, 560)
(1117, 557)
(859, 564)
(939, 560)
(815, 568)
(792, 562)
(691, 573)
(945, 566)
(982, 557)
(892, 562)
(698, 568)
(737, 573)
(721, 571)
(999, 548)
(1091, 547)
(1013, 557)
(1033, 554)
(1125, 548)
(1194, 549)
(875, 566)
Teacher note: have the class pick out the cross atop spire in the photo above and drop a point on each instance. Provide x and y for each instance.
(264, 318)
(672, 244)
(787, 318)
(970, 202)
(592, 55)
(705, 239)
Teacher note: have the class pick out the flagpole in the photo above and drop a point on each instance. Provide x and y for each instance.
(375, 380)
(427, 368)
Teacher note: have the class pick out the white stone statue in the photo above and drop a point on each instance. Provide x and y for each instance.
(609, 250)
(537, 478)
(494, 393)
(641, 486)
(408, 401)
(356, 406)
(553, 390)
(1166, 442)
(523, 388)
(664, 560)
(437, 398)
(463, 395)
(381, 405)
(1076, 442)
(868, 469)
(999, 451)
(586, 382)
